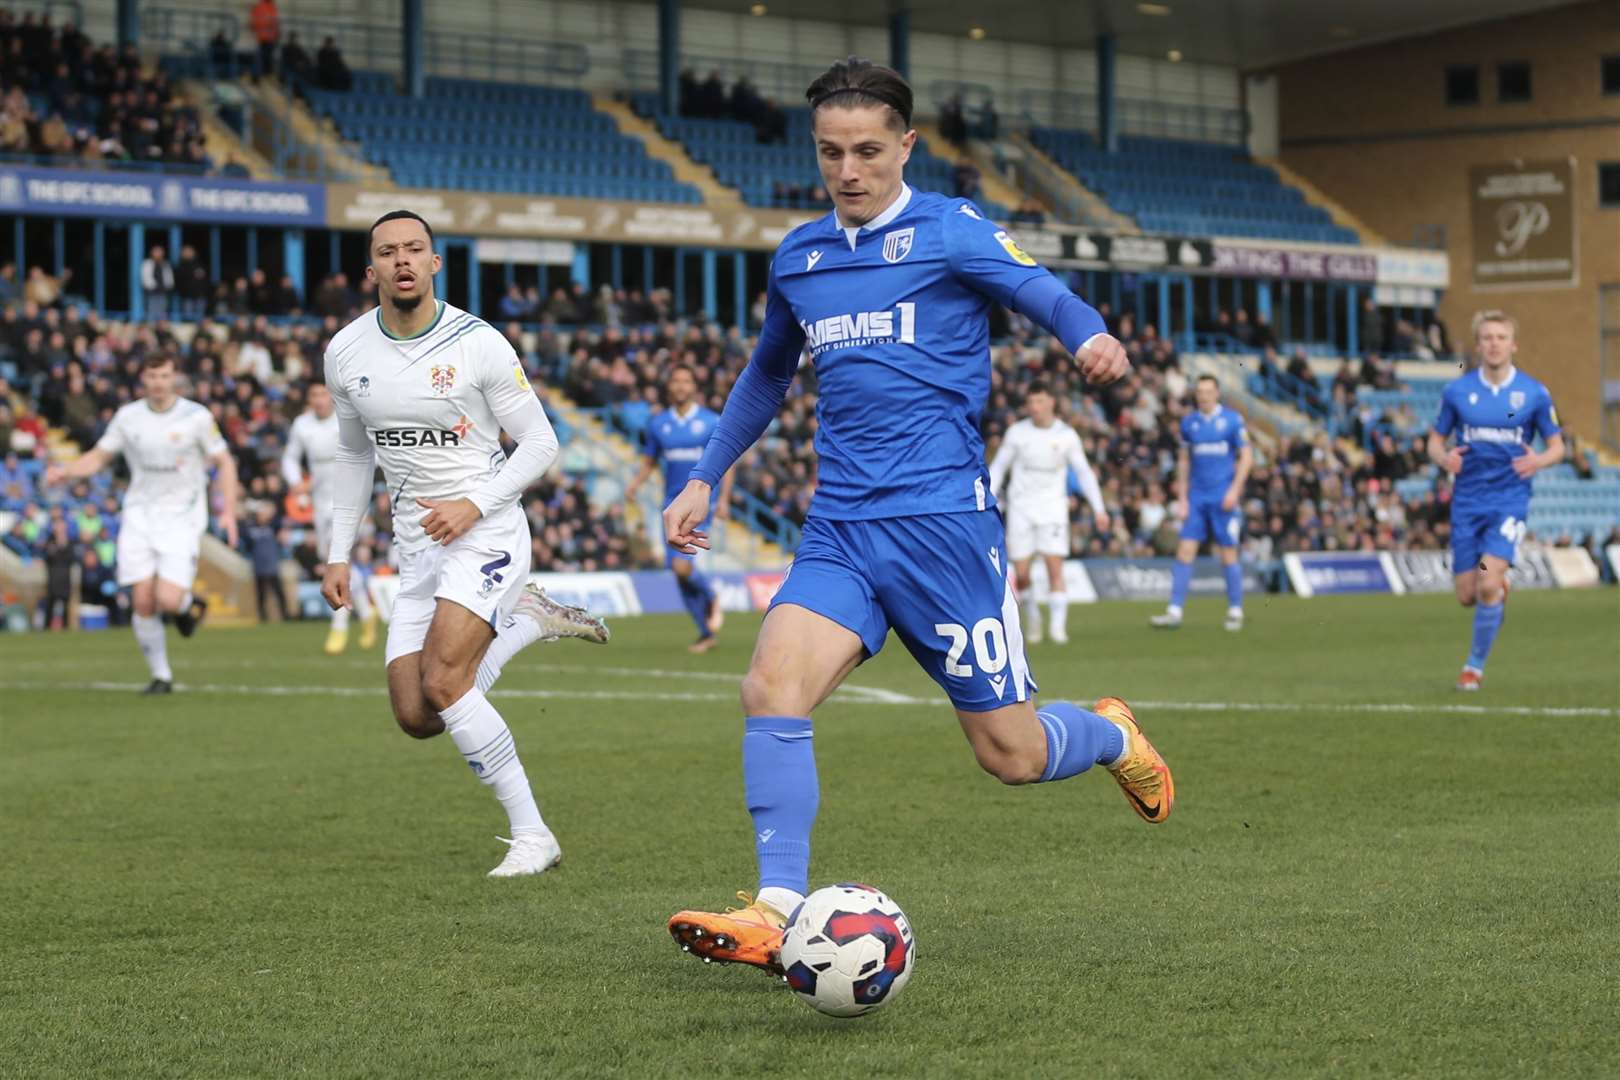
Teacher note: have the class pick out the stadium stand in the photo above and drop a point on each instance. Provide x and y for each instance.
(67, 101)
(488, 136)
(1191, 188)
(65, 371)
(770, 166)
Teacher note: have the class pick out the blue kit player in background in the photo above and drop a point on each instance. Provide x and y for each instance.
(675, 439)
(1211, 469)
(1495, 412)
(890, 295)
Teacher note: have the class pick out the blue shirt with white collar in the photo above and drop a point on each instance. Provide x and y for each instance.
(676, 443)
(892, 315)
(1214, 442)
(1496, 424)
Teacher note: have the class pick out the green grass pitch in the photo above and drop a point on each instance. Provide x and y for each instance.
(1366, 873)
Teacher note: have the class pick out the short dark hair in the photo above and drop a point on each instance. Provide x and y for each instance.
(853, 82)
(1038, 387)
(397, 215)
(157, 360)
(1210, 378)
(680, 366)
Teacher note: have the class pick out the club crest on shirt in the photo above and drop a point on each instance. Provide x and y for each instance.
(1010, 246)
(1516, 400)
(897, 244)
(365, 387)
(442, 379)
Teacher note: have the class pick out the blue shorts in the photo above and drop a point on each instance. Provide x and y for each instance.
(939, 580)
(1488, 530)
(1207, 521)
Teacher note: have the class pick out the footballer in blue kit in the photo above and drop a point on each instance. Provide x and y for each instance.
(1211, 468)
(674, 439)
(1494, 413)
(888, 297)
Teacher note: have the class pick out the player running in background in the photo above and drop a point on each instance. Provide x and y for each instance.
(675, 439)
(891, 295)
(425, 390)
(1211, 469)
(168, 442)
(1495, 412)
(1037, 454)
(314, 438)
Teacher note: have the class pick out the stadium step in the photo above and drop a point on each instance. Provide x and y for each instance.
(321, 137)
(995, 188)
(223, 144)
(1095, 210)
(1316, 197)
(661, 149)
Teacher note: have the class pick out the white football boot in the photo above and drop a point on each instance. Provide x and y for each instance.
(559, 620)
(530, 853)
(1234, 619)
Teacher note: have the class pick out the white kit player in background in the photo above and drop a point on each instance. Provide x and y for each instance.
(424, 390)
(1037, 454)
(314, 438)
(168, 443)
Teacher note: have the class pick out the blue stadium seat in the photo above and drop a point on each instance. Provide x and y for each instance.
(1178, 186)
(474, 135)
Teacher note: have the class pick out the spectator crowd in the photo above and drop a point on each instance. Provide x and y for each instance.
(66, 98)
(63, 367)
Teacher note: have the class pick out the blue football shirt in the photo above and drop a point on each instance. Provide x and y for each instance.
(1496, 424)
(676, 443)
(1213, 443)
(893, 316)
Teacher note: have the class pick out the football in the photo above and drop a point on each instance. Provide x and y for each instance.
(848, 949)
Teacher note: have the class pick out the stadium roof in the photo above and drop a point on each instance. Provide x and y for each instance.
(1247, 34)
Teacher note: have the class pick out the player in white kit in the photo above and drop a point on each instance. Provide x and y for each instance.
(168, 442)
(425, 389)
(314, 438)
(1037, 454)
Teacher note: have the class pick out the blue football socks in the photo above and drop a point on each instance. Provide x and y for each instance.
(1234, 585)
(1487, 621)
(1076, 740)
(697, 596)
(779, 778)
(1180, 582)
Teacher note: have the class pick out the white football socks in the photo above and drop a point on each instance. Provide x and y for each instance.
(340, 619)
(1059, 603)
(783, 900)
(486, 742)
(154, 645)
(516, 634)
(1032, 612)
(357, 594)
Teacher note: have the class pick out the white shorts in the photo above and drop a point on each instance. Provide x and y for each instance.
(1026, 537)
(484, 572)
(167, 550)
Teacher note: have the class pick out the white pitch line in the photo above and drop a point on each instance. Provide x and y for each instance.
(851, 695)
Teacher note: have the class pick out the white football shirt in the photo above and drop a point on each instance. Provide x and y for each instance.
(1038, 460)
(428, 404)
(167, 453)
(313, 440)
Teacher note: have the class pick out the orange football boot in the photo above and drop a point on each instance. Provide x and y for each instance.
(1469, 679)
(1141, 772)
(750, 935)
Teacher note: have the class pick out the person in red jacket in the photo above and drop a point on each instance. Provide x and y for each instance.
(265, 22)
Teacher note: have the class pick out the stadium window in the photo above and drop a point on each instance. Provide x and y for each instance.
(1462, 84)
(1609, 184)
(1513, 82)
(1611, 74)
